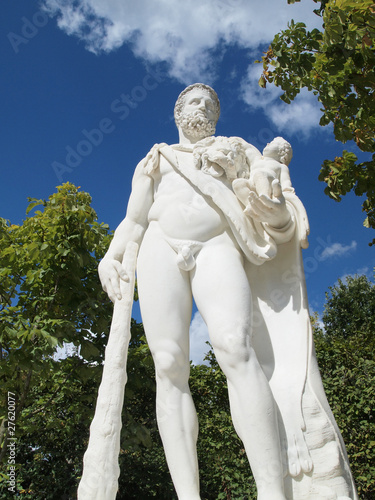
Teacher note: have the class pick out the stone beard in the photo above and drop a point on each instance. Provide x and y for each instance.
(196, 124)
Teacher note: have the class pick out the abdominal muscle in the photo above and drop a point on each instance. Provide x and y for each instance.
(183, 213)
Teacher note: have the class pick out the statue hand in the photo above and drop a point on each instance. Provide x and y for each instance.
(299, 459)
(110, 272)
(271, 210)
(295, 450)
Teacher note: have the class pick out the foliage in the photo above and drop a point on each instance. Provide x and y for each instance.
(337, 64)
(50, 295)
(144, 471)
(345, 352)
(350, 307)
(52, 432)
(224, 469)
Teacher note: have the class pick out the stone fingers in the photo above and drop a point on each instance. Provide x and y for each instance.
(262, 207)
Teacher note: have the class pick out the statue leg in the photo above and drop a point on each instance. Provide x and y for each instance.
(223, 297)
(166, 303)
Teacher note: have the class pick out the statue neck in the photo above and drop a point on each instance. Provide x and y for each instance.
(186, 139)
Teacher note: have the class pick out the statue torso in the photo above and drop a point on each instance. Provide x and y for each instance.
(180, 210)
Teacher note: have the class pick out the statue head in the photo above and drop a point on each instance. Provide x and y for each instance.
(197, 110)
(279, 149)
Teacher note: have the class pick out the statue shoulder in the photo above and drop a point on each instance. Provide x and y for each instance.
(150, 162)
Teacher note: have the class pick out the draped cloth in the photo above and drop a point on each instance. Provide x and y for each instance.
(282, 335)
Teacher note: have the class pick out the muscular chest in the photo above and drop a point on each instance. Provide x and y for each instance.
(168, 182)
(179, 207)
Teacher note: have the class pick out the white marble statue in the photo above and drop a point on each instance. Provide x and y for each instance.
(217, 221)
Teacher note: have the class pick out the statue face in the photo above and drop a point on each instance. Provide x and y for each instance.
(199, 102)
(271, 150)
(198, 116)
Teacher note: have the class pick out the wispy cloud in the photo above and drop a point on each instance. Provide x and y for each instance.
(301, 116)
(183, 34)
(338, 250)
(359, 272)
(198, 339)
(191, 37)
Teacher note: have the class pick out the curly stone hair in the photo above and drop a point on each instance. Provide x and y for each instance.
(285, 150)
(181, 99)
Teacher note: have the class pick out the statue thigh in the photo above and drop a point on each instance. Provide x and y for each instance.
(222, 293)
(165, 299)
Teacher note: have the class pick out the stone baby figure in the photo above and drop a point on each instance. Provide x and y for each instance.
(268, 173)
(273, 165)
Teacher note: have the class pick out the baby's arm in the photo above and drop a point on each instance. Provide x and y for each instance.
(286, 183)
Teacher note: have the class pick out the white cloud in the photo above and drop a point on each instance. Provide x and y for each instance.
(360, 272)
(255, 96)
(301, 116)
(191, 37)
(183, 34)
(338, 250)
(365, 270)
(198, 339)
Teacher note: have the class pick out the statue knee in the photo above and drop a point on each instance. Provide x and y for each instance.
(232, 346)
(171, 366)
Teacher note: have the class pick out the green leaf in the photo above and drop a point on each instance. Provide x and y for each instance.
(336, 64)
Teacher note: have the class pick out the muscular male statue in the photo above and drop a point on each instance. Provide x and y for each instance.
(200, 227)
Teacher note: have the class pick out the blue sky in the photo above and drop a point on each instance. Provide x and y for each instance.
(87, 89)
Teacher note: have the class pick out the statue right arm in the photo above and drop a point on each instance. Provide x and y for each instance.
(132, 228)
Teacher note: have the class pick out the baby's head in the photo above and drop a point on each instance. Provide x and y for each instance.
(279, 149)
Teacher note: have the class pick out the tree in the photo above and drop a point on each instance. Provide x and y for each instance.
(350, 308)
(52, 433)
(52, 438)
(336, 64)
(345, 352)
(223, 465)
(50, 295)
